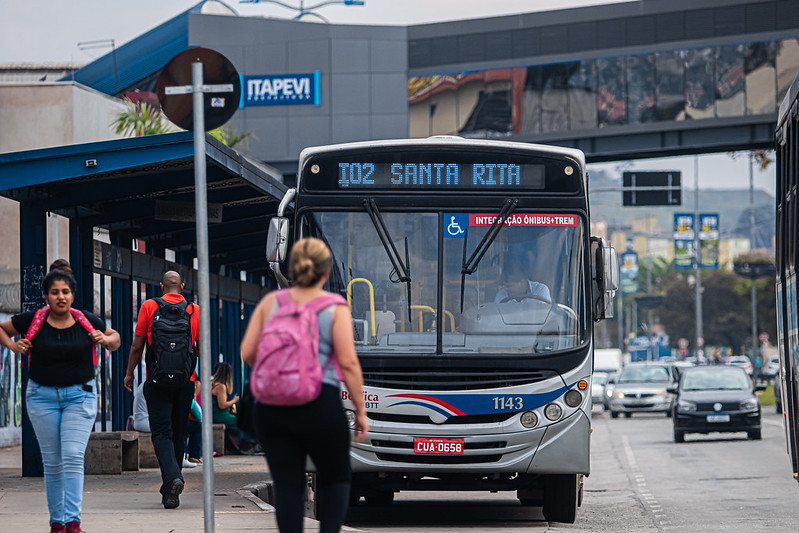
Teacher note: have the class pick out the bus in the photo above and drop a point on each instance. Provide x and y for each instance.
(474, 285)
(787, 147)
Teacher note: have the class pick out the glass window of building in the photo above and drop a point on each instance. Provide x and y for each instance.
(611, 97)
(582, 96)
(699, 89)
(670, 92)
(730, 81)
(433, 105)
(486, 102)
(787, 66)
(640, 89)
(531, 101)
(761, 78)
(554, 97)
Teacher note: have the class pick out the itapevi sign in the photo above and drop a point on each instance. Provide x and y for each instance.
(281, 89)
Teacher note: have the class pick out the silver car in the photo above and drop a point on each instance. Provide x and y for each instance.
(598, 382)
(641, 388)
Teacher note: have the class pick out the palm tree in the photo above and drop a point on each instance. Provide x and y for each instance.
(140, 119)
(229, 137)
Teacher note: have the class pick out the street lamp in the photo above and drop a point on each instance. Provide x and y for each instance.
(303, 10)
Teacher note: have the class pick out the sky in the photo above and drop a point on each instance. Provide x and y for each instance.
(50, 30)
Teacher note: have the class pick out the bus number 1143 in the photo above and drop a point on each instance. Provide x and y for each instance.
(508, 402)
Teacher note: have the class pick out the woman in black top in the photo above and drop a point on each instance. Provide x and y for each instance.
(61, 398)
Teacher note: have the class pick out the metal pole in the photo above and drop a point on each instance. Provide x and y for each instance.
(620, 319)
(201, 210)
(752, 248)
(649, 312)
(697, 270)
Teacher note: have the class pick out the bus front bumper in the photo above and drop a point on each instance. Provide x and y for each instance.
(560, 448)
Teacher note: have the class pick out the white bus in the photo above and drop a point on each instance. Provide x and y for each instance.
(473, 284)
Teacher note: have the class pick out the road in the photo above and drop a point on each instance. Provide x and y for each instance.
(641, 481)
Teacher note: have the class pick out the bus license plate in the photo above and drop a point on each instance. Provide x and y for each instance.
(718, 418)
(437, 445)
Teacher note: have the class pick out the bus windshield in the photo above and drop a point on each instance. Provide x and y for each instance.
(526, 296)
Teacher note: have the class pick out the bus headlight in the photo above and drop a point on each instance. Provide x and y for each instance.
(685, 406)
(573, 398)
(529, 419)
(553, 411)
(350, 418)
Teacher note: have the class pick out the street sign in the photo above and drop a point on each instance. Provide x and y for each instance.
(188, 101)
(221, 88)
(651, 188)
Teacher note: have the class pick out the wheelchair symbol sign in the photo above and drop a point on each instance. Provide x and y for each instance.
(455, 225)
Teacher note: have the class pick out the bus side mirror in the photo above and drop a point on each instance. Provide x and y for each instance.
(277, 239)
(605, 277)
(611, 268)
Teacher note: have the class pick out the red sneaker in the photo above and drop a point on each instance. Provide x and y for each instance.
(55, 527)
(73, 527)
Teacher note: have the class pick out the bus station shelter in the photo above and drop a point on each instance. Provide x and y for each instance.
(141, 190)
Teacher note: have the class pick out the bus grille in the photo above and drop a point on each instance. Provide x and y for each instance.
(439, 459)
(452, 379)
(422, 419)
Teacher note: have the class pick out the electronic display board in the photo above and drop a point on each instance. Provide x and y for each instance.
(437, 171)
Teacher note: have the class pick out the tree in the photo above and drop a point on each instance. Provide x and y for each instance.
(725, 319)
(229, 137)
(726, 322)
(139, 119)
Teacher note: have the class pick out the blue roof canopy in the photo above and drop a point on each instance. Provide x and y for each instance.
(142, 188)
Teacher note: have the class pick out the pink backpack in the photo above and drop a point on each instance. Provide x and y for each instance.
(41, 316)
(287, 370)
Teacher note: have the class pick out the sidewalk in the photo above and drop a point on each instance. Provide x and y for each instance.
(130, 502)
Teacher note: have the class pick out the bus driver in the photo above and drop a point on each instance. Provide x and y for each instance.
(516, 286)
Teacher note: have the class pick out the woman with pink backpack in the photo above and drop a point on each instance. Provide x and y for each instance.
(61, 396)
(294, 341)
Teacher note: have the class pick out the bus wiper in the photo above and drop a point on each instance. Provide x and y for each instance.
(402, 269)
(470, 265)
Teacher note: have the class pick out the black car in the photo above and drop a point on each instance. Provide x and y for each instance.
(713, 399)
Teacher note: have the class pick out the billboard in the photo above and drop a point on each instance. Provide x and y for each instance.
(709, 240)
(629, 272)
(683, 240)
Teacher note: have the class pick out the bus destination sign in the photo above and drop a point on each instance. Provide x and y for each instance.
(439, 174)
(414, 171)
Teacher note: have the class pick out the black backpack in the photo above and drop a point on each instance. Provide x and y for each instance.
(172, 349)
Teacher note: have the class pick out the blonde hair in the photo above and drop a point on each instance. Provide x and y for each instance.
(310, 261)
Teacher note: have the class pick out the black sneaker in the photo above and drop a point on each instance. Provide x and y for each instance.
(171, 497)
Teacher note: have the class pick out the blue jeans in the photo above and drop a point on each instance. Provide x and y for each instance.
(63, 418)
(194, 444)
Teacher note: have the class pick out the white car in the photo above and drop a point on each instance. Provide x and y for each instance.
(772, 367)
(742, 361)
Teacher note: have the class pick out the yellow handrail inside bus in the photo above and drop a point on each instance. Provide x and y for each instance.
(371, 299)
(423, 308)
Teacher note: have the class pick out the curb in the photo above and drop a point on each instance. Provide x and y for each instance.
(261, 494)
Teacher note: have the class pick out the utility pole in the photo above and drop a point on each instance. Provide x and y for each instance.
(752, 249)
(700, 341)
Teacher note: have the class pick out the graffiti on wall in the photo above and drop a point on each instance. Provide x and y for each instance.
(10, 389)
